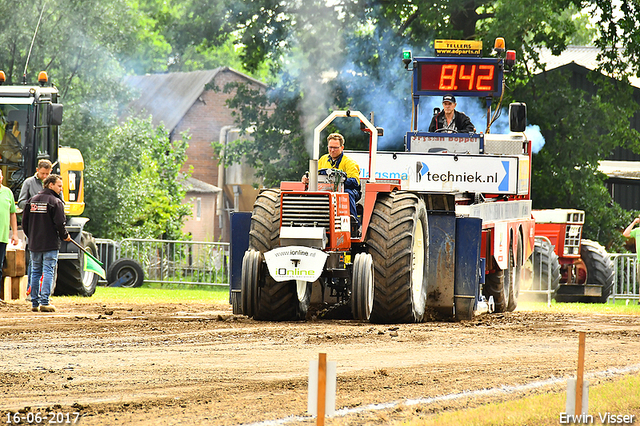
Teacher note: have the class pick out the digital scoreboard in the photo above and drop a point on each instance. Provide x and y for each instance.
(458, 76)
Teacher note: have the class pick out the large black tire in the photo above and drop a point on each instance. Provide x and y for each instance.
(251, 277)
(398, 238)
(274, 301)
(515, 276)
(121, 267)
(545, 266)
(495, 287)
(362, 287)
(72, 278)
(599, 269)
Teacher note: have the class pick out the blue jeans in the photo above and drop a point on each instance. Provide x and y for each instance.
(43, 264)
(354, 196)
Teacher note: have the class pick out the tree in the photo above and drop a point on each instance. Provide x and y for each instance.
(131, 182)
(134, 186)
(350, 60)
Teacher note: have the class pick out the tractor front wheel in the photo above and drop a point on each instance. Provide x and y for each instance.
(270, 300)
(362, 287)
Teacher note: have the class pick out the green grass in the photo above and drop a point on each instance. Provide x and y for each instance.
(619, 308)
(144, 294)
(620, 397)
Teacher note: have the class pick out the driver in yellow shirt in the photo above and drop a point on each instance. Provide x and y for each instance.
(336, 159)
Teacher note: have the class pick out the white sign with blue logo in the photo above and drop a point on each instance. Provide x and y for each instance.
(295, 263)
(444, 172)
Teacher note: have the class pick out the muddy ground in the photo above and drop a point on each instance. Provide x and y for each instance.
(199, 364)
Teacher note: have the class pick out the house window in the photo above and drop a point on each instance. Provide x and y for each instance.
(198, 208)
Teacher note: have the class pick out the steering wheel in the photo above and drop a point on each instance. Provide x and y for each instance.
(443, 130)
(333, 175)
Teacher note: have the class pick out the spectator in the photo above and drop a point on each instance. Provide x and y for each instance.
(43, 221)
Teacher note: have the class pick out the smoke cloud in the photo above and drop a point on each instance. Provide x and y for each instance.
(383, 88)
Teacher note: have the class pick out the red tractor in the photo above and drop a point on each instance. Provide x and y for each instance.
(575, 270)
(446, 224)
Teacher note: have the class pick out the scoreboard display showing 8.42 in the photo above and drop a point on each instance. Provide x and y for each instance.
(458, 76)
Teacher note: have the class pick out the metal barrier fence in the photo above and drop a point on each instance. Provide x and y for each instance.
(625, 277)
(171, 261)
(205, 263)
(541, 286)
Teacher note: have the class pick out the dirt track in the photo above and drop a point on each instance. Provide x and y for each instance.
(199, 364)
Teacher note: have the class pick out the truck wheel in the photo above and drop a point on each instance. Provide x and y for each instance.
(545, 265)
(599, 269)
(515, 277)
(72, 278)
(274, 301)
(121, 267)
(362, 287)
(495, 287)
(398, 239)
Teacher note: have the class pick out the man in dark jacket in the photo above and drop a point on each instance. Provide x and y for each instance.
(450, 120)
(43, 221)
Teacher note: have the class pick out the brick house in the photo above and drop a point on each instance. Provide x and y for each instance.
(194, 102)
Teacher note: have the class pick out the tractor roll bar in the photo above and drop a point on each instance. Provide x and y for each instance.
(313, 162)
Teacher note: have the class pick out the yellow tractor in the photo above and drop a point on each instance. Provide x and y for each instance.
(29, 119)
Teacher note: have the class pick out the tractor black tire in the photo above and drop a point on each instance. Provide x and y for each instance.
(249, 282)
(274, 301)
(515, 277)
(120, 267)
(599, 269)
(264, 233)
(362, 287)
(545, 264)
(495, 287)
(398, 239)
(72, 279)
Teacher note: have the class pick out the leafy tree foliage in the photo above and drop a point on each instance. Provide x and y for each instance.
(347, 56)
(87, 47)
(134, 186)
(580, 129)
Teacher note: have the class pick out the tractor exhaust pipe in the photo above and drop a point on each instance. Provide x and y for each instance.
(313, 175)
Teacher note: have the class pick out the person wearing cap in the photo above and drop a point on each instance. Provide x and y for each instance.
(450, 120)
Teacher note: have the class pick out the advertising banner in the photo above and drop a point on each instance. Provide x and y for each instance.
(446, 172)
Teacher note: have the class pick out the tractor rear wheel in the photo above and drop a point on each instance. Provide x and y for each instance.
(72, 278)
(546, 267)
(398, 238)
(362, 287)
(599, 269)
(273, 300)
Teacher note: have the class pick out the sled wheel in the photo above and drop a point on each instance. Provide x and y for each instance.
(122, 267)
(515, 277)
